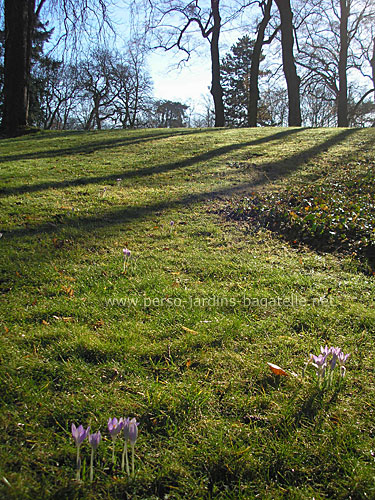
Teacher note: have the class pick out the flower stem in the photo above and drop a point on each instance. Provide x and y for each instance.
(133, 461)
(125, 459)
(113, 452)
(92, 465)
(78, 465)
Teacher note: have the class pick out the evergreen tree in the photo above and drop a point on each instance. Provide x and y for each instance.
(235, 72)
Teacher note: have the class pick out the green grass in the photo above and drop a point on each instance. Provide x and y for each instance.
(186, 350)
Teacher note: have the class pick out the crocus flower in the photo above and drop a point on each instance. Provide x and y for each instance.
(94, 440)
(125, 457)
(325, 350)
(79, 435)
(320, 362)
(127, 254)
(114, 427)
(342, 358)
(133, 434)
(335, 352)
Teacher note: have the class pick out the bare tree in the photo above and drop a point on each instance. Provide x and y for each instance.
(332, 48)
(289, 66)
(266, 7)
(172, 24)
(133, 86)
(20, 19)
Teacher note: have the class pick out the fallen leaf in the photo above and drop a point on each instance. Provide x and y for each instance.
(44, 322)
(68, 290)
(6, 329)
(188, 363)
(57, 243)
(277, 370)
(189, 330)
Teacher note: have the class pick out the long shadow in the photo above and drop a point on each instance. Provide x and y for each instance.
(281, 168)
(94, 146)
(82, 181)
(45, 135)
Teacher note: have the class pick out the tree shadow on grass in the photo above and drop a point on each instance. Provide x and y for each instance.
(138, 173)
(276, 170)
(99, 145)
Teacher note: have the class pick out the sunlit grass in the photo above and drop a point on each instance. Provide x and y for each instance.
(186, 351)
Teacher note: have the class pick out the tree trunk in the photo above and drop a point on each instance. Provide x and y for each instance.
(19, 23)
(216, 89)
(342, 99)
(372, 62)
(252, 112)
(289, 66)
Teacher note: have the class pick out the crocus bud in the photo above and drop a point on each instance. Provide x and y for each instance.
(94, 440)
(133, 431)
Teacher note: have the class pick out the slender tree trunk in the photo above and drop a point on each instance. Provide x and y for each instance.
(252, 113)
(19, 22)
(372, 62)
(216, 89)
(342, 99)
(289, 66)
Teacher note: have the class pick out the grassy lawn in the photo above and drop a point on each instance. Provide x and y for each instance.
(181, 339)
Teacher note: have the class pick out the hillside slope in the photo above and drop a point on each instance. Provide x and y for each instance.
(179, 334)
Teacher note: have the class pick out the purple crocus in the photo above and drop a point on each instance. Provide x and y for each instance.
(335, 351)
(325, 350)
(79, 435)
(133, 434)
(94, 440)
(133, 431)
(127, 253)
(342, 358)
(320, 362)
(114, 426)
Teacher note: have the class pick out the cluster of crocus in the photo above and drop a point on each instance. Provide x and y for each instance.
(128, 427)
(327, 360)
(79, 435)
(126, 253)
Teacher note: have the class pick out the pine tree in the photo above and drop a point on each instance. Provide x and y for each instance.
(235, 72)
